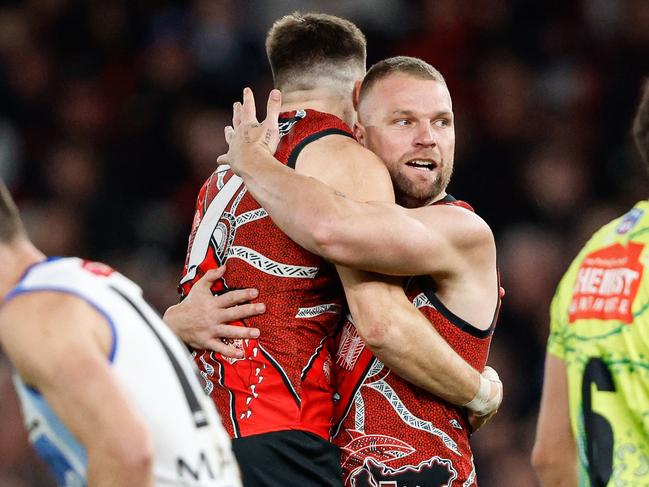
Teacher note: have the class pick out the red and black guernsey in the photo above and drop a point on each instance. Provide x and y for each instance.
(285, 380)
(391, 431)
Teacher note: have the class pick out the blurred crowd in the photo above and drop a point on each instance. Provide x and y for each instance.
(111, 117)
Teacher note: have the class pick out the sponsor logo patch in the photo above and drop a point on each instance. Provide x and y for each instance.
(607, 284)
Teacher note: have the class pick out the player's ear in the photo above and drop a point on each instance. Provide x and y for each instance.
(356, 93)
(359, 133)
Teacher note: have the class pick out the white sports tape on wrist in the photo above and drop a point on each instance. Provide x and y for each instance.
(482, 403)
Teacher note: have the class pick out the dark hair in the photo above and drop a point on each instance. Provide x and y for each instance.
(641, 124)
(11, 225)
(297, 44)
(399, 65)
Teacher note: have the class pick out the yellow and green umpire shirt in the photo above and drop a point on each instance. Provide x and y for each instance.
(600, 329)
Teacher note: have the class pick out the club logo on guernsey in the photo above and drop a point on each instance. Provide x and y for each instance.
(285, 125)
(607, 284)
(629, 221)
(97, 268)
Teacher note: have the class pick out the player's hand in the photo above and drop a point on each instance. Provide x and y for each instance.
(247, 135)
(478, 422)
(488, 399)
(201, 319)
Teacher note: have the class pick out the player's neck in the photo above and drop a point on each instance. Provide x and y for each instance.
(323, 100)
(15, 259)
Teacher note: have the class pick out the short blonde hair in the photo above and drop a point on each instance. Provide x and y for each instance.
(399, 65)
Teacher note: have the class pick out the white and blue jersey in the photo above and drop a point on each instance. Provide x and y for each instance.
(191, 448)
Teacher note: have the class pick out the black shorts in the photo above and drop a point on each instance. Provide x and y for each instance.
(287, 459)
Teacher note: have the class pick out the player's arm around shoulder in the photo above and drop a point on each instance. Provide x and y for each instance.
(390, 239)
(312, 203)
(59, 345)
(452, 239)
(349, 168)
(358, 225)
(297, 200)
(402, 337)
(396, 332)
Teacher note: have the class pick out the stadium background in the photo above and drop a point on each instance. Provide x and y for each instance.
(111, 116)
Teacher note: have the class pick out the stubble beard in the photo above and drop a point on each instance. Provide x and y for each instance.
(411, 195)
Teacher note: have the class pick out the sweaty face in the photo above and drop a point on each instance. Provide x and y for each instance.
(408, 122)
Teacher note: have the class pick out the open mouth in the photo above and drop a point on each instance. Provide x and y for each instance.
(422, 164)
